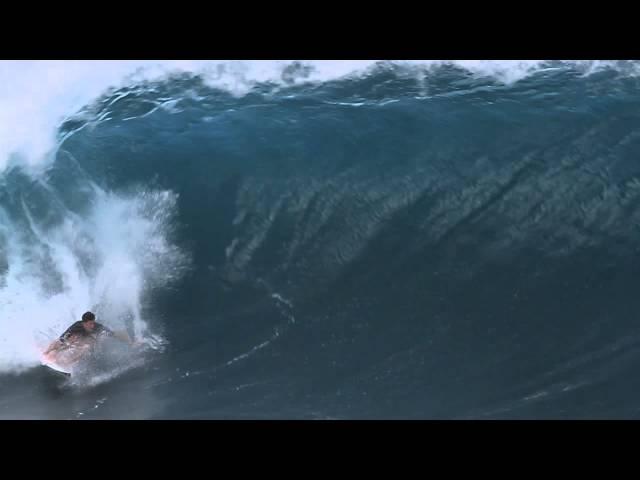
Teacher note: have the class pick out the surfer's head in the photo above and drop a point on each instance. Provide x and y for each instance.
(88, 320)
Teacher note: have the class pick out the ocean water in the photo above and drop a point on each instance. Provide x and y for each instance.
(323, 239)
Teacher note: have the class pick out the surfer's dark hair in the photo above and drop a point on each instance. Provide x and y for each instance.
(88, 317)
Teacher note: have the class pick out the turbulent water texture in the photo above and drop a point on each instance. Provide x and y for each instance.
(323, 239)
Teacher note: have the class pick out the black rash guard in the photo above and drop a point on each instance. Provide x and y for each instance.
(78, 330)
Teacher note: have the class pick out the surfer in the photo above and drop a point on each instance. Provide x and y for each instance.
(85, 333)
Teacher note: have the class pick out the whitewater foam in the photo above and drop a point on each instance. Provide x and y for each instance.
(104, 259)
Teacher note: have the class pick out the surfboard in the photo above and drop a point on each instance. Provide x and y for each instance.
(62, 360)
(51, 362)
(57, 369)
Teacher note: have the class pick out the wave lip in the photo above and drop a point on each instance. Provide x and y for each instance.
(37, 96)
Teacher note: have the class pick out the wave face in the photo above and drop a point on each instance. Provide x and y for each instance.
(293, 239)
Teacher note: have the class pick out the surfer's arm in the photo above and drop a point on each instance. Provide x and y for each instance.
(53, 346)
(122, 336)
(59, 343)
(70, 333)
